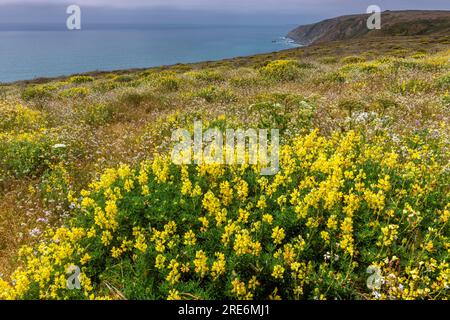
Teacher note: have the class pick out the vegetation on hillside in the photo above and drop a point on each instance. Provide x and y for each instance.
(86, 179)
(395, 23)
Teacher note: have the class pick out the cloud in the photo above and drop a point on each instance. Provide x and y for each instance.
(200, 11)
(198, 5)
(251, 5)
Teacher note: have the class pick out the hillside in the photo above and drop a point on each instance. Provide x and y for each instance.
(394, 23)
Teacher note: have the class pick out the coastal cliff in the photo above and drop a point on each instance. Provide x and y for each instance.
(394, 23)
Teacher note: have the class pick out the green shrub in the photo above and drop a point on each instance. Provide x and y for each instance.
(37, 92)
(105, 86)
(293, 115)
(281, 70)
(384, 104)
(76, 92)
(244, 78)
(401, 53)
(289, 99)
(19, 118)
(334, 77)
(412, 86)
(81, 79)
(422, 65)
(446, 99)
(352, 59)
(443, 82)
(55, 184)
(291, 111)
(136, 99)
(182, 68)
(419, 55)
(214, 94)
(3, 92)
(25, 154)
(244, 82)
(364, 67)
(96, 114)
(168, 83)
(207, 76)
(123, 78)
(328, 60)
(351, 106)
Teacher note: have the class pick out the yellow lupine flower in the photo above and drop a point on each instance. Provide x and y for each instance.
(226, 193)
(268, 218)
(159, 261)
(238, 288)
(332, 222)
(243, 216)
(218, 266)
(174, 295)
(278, 235)
(201, 263)
(278, 272)
(190, 238)
(174, 275)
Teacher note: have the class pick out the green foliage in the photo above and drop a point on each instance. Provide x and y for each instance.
(168, 83)
(37, 92)
(19, 118)
(281, 70)
(419, 55)
(244, 82)
(81, 79)
(412, 86)
(208, 76)
(443, 82)
(285, 113)
(385, 104)
(351, 106)
(400, 53)
(103, 86)
(152, 101)
(334, 77)
(352, 59)
(75, 92)
(337, 207)
(424, 65)
(328, 60)
(96, 114)
(55, 184)
(446, 99)
(215, 94)
(25, 154)
(3, 92)
(123, 78)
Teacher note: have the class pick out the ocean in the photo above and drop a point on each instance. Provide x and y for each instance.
(28, 52)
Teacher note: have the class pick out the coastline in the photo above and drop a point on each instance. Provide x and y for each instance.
(199, 64)
(58, 54)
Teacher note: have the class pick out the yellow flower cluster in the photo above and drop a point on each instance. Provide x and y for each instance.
(278, 235)
(201, 263)
(336, 205)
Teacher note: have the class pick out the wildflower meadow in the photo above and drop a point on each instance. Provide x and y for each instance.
(92, 205)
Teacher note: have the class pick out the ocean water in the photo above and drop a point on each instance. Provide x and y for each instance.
(46, 51)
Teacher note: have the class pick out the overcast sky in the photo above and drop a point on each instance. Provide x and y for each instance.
(200, 11)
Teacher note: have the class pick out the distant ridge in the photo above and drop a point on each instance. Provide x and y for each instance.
(394, 23)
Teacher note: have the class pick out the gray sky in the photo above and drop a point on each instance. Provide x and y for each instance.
(200, 11)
